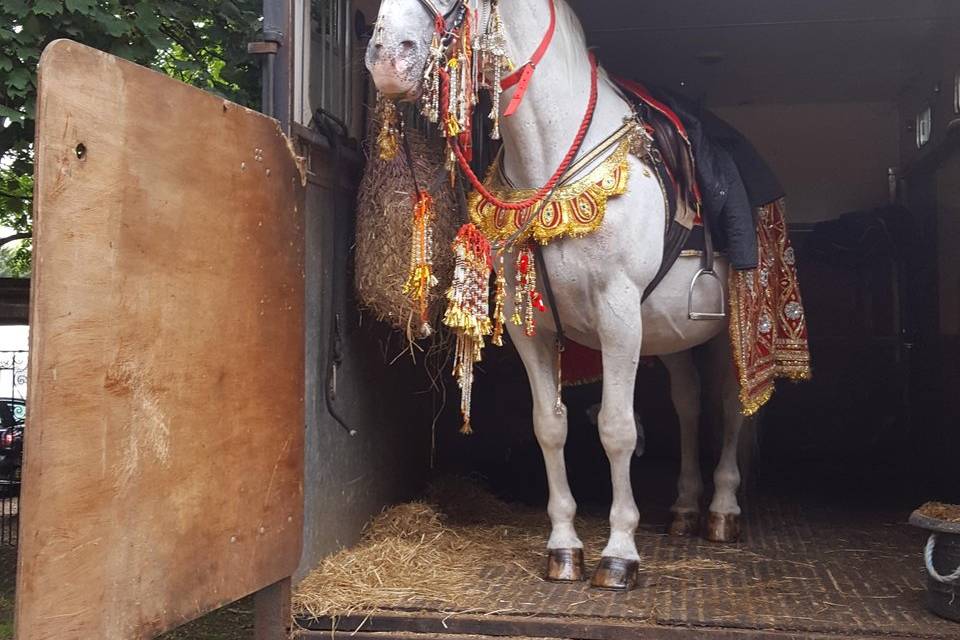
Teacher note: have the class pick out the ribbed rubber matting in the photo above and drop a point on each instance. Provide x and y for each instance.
(797, 570)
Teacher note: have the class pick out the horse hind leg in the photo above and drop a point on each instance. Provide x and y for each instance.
(564, 548)
(685, 393)
(723, 522)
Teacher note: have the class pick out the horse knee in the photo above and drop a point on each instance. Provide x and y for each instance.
(618, 430)
(550, 428)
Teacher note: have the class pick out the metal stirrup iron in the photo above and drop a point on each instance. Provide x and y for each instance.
(706, 271)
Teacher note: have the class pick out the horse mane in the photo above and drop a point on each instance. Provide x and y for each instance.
(570, 36)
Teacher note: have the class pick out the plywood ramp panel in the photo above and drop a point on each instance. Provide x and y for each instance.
(164, 451)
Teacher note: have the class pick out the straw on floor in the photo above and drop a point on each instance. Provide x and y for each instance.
(438, 552)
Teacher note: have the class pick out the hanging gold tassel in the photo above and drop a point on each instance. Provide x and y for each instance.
(431, 81)
(420, 279)
(493, 63)
(468, 310)
(452, 118)
(499, 296)
(388, 139)
(526, 298)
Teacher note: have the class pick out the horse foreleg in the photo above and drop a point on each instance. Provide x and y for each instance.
(723, 523)
(685, 393)
(564, 548)
(620, 346)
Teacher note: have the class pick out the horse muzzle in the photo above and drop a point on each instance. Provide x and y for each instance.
(396, 69)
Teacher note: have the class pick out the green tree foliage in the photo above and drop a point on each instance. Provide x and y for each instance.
(202, 42)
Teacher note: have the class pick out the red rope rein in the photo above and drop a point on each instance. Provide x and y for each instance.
(558, 174)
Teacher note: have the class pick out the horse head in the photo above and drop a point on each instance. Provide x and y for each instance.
(398, 51)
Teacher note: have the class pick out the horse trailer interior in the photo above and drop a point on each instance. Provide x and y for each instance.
(855, 104)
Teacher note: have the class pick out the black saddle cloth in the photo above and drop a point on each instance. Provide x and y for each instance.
(732, 178)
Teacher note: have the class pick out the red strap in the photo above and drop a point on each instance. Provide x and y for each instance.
(521, 77)
(641, 91)
(544, 191)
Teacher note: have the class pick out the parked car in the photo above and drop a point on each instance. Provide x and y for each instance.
(13, 414)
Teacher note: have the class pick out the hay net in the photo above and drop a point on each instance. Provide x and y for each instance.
(385, 228)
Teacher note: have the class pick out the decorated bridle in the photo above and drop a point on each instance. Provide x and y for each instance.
(449, 22)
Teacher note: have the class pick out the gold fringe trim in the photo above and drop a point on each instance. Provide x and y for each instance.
(574, 210)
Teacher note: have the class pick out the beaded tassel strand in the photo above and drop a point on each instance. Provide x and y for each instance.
(468, 310)
(421, 279)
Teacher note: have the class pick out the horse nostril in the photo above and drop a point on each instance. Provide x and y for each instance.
(407, 45)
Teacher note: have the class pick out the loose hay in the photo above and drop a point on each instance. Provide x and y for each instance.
(467, 552)
(436, 553)
(410, 554)
(384, 230)
(940, 511)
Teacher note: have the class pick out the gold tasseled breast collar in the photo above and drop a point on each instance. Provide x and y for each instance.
(573, 211)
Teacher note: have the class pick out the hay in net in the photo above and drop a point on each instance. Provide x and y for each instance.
(385, 230)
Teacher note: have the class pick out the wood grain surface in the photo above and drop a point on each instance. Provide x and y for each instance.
(164, 452)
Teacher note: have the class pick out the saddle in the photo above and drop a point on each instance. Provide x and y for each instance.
(674, 163)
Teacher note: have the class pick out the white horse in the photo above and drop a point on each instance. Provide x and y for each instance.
(597, 280)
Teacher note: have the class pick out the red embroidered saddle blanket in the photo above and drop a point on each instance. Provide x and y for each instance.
(768, 328)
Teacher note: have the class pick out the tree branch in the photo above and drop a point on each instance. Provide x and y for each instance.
(193, 52)
(15, 237)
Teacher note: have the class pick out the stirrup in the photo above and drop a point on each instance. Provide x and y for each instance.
(706, 315)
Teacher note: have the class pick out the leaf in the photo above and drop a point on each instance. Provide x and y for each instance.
(47, 7)
(6, 64)
(187, 65)
(30, 106)
(32, 29)
(114, 26)
(80, 6)
(18, 8)
(19, 78)
(13, 114)
(231, 11)
(27, 52)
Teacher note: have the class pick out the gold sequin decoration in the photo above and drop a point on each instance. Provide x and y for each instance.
(573, 211)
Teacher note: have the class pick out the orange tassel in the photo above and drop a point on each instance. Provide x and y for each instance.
(420, 279)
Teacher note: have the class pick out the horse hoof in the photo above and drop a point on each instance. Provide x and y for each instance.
(723, 527)
(565, 565)
(685, 524)
(615, 574)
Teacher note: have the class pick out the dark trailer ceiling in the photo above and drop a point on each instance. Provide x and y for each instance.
(732, 52)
